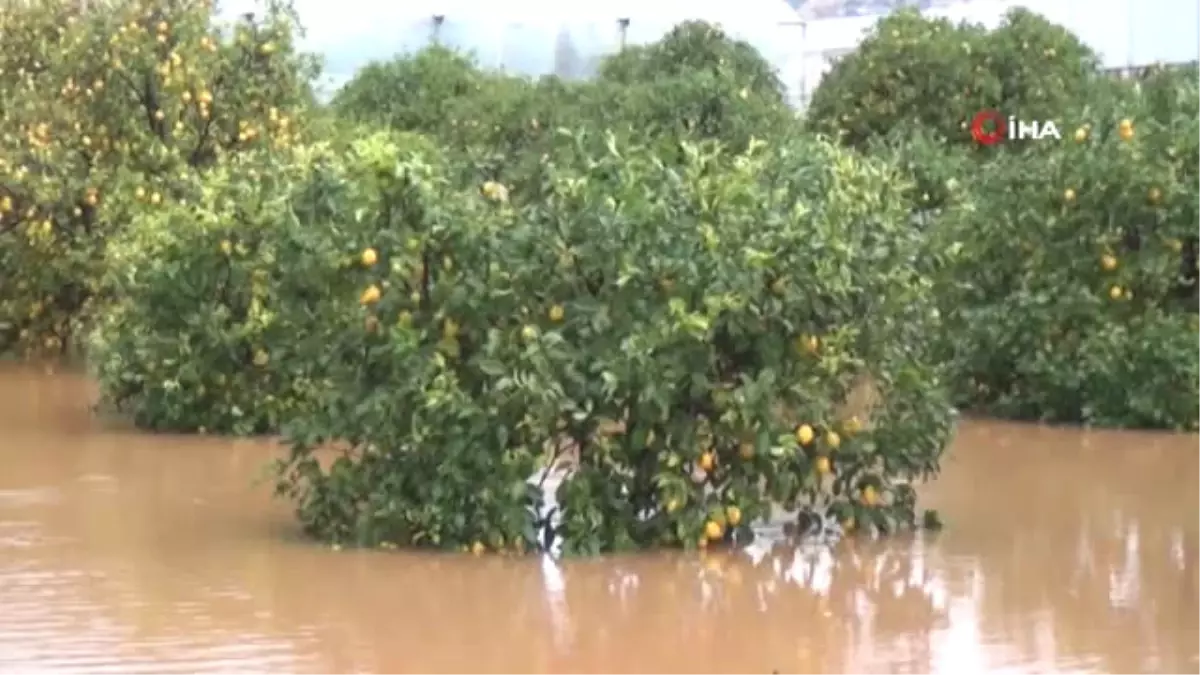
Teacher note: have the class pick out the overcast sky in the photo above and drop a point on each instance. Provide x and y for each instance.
(526, 35)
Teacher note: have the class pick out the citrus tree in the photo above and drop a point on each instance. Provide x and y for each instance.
(413, 92)
(696, 82)
(767, 351)
(111, 112)
(911, 69)
(429, 445)
(216, 300)
(1074, 293)
(494, 126)
(690, 47)
(697, 341)
(1042, 67)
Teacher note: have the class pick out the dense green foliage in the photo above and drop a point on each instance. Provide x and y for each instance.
(657, 282)
(1031, 330)
(691, 47)
(695, 83)
(1073, 295)
(913, 69)
(421, 92)
(113, 112)
(218, 301)
(755, 351)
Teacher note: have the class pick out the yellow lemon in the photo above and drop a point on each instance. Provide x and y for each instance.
(226, 247)
(1115, 292)
(869, 496)
(733, 515)
(369, 257)
(805, 434)
(746, 451)
(370, 296)
(261, 358)
(707, 461)
(1108, 262)
(1081, 135)
(714, 530)
(833, 440)
(823, 465)
(1068, 195)
(495, 191)
(812, 344)
(557, 313)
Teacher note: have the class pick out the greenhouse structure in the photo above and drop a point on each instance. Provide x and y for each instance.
(534, 37)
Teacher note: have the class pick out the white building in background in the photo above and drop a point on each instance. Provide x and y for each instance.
(538, 37)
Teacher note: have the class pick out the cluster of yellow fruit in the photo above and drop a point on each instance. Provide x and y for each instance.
(823, 464)
(719, 519)
(39, 135)
(203, 99)
(805, 435)
(1124, 130)
(154, 197)
(371, 295)
(718, 523)
(281, 127)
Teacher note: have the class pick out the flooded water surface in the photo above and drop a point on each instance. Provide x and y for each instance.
(1065, 551)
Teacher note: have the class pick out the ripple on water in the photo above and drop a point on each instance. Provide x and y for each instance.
(49, 624)
(27, 534)
(47, 627)
(29, 497)
(1053, 561)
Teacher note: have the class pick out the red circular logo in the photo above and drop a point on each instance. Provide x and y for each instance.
(980, 132)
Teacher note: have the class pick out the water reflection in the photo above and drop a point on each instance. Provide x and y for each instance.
(1065, 551)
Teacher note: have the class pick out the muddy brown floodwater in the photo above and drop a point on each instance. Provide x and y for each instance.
(1066, 551)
